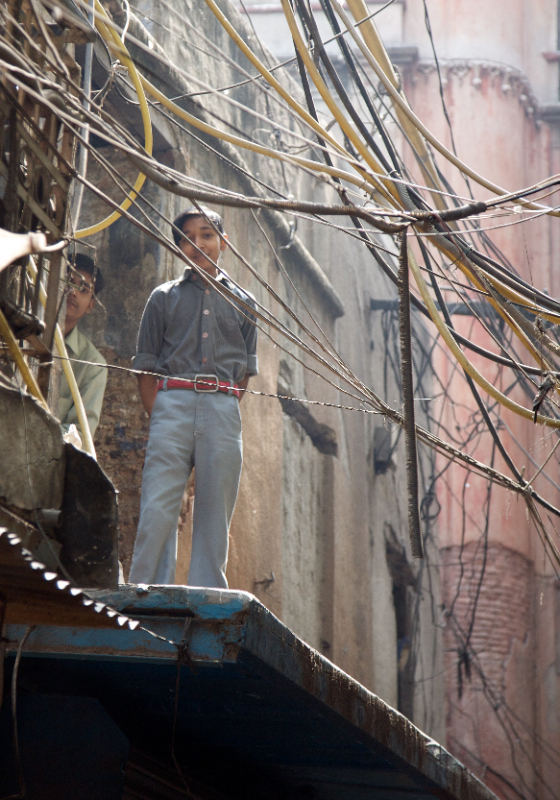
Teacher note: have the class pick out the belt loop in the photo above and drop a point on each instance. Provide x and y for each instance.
(231, 387)
(164, 387)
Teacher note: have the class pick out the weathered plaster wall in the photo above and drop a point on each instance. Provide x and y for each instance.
(502, 97)
(309, 535)
(506, 34)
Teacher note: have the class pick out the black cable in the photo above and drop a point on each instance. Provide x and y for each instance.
(444, 106)
(387, 269)
(15, 737)
(415, 533)
(311, 26)
(489, 424)
(501, 273)
(349, 58)
(312, 109)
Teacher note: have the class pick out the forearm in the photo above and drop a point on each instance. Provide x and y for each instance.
(147, 385)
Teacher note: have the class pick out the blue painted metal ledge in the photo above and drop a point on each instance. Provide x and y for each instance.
(244, 694)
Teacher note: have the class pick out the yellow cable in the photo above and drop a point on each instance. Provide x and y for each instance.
(245, 144)
(506, 316)
(425, 160)
(406, 117)
(114, 43)
(32, 385)
(502, 288)
(87, 439)
(462, 359)
(360, 10)
(405, 108)
(313, 165)
(236, 140)
(389, 192)
(467, 270)
(246, 50)
(318, 167)
(87, 442)
(376, 46)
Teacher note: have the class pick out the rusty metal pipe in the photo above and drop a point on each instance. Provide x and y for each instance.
(408, 403)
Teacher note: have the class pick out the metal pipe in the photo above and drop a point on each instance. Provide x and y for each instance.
(408, 403)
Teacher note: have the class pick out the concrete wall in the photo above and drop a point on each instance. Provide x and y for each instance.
(311, 531)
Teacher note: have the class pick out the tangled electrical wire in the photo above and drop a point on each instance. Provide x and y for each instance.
(386, 205)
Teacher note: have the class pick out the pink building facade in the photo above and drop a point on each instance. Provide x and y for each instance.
(499, 70)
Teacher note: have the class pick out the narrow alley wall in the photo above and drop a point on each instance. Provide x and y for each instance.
(320, 538)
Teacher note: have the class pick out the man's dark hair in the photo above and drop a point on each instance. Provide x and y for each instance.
(84, 263)
(195, 212)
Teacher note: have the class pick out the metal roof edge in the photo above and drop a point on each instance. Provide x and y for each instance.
(266, 640)
(330, 685)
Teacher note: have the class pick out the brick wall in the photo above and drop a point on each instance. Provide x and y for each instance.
(120, 443)
(486, 693)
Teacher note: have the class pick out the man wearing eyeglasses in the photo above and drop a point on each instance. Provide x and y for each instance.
(84, 283)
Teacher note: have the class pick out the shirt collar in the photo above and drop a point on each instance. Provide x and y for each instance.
(72, 340)
(190, 275)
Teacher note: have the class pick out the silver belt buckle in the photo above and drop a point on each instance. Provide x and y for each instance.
(206, 378)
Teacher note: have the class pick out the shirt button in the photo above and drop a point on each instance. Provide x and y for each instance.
(207, 291)
(205, 336)
(206, 311)
(204, 360)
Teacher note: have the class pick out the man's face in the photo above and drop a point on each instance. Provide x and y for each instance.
(200, 232)
(79, 299)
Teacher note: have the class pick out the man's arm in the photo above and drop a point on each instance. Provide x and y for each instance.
(243, 385)
(249, 333)
(148, 348)
(147, 384)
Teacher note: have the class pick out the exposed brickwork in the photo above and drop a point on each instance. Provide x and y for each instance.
(120, 442)
(503, 639)
(504, 607)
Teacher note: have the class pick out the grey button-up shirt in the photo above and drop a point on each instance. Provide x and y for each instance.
(188, 328)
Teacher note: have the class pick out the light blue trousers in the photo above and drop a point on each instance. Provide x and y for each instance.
(188, 429)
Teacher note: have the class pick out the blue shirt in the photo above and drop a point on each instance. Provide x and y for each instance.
(189, 328)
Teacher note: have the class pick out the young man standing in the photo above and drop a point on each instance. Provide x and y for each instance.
(84, 283)
(204, 347)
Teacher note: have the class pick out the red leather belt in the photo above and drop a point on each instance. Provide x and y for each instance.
(201, 383)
